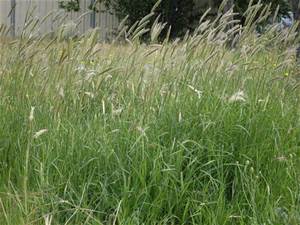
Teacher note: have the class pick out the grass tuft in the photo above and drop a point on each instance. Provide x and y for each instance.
(173, 132)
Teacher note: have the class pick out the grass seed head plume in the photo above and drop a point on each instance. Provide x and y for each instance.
(238, 97)
(61, 92)
(31, 115)
(152, 126)
(40, 133)
(198, 92)
(48, 219)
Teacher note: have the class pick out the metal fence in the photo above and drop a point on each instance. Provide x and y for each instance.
(14, 13)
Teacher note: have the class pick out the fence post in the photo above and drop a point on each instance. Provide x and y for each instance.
(13, 17)
(93, 15)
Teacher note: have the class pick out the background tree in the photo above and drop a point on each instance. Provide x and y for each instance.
(179, 14)
(295, 6)
(176, 13)
(69, 5)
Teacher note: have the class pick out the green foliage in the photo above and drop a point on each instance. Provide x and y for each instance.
(242, 5)
(176, 13)
(70, 5)
(172, 133)
(180, 15)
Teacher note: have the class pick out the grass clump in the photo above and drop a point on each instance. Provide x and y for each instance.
(188, 132)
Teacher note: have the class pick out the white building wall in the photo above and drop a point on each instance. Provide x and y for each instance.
(39, 9)
(4, 10)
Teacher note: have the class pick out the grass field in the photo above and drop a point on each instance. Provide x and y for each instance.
(174, 132)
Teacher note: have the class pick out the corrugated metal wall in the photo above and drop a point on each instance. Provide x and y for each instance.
(4, 11)
(39, 9)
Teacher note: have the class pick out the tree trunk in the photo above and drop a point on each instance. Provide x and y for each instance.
(173, 11)
(295, 4)
(228, 5)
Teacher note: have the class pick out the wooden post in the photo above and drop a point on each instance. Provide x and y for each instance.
(295, 4)
(13, 17)
(296, 8)
(93, 15)
(228, 5)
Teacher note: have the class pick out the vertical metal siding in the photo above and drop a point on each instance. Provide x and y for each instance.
(42, 8)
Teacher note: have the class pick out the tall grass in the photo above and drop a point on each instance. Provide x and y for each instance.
(173, 132)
